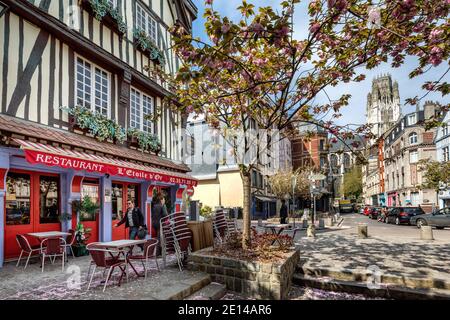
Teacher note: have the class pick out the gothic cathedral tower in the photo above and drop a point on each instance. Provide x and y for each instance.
(383, 104)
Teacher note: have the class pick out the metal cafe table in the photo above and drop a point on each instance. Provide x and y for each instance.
(49, 234)
(273, 228)
(120, 246)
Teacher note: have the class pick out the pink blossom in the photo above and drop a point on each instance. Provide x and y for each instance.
(435, 34)
(208, 2)
(435, 56)
(257, 28)
(189, 109)
(374, 17)
(314, 27)
(225, 27)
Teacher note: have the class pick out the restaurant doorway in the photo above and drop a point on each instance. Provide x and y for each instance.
(121, 193)
(91, 220)
(32, 204)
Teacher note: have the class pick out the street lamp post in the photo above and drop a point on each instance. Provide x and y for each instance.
(294, 184)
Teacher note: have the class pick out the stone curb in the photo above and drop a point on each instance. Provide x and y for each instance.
(386, 291)
(387, 279)
(201, 283)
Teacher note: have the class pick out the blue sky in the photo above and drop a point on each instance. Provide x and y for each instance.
(355, 112)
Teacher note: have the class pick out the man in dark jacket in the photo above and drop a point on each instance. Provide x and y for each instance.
(133, 219)
(159, 210)
(283, 212)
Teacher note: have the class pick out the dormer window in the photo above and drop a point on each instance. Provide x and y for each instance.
(412, 119)
(145, 22)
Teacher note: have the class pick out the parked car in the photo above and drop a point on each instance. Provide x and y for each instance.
(374, 212)
(366, 210)
(439, 219)
(403, 215)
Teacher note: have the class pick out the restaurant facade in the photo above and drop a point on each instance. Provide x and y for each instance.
(50, 159)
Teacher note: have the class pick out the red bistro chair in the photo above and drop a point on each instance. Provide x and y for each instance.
(148, 253)
(104, 258)
(25, 246)
(52, 248)
(70, 241)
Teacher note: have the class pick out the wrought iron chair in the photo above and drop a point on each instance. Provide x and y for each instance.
(25, 246)
(148, 253)
(100, 259)
(175, 237)
(52, 248)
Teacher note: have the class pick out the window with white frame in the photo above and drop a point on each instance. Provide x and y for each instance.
(445, 130)
(140, 106)
(413, 138)
(145, 22)
(446, 154)
(113, 3)
(92, 87)
(412, 119)
(413, 156)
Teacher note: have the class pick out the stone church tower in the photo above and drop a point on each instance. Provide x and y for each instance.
(383, 104)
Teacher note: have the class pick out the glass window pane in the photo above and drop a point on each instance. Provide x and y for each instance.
(18, 199)
(91, 191)
(49, 200)
(117, 201)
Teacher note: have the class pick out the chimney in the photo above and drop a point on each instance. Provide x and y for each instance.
(429, 110)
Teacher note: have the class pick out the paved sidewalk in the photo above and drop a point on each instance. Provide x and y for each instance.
(54, 284)
(412, 263)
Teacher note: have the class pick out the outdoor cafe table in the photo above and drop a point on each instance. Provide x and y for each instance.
(273, 228)
(119, 245)
(49, 234)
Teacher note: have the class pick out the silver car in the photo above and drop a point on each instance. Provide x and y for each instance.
(439, 219)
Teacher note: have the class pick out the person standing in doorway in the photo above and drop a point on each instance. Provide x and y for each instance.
(133, 219)
(283, 212)
(159, 211)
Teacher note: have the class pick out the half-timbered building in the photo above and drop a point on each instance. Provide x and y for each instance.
(94, 57)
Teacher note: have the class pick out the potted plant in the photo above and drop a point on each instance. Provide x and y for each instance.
(82, 236)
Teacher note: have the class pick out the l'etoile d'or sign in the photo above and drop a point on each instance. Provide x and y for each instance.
(36, 157)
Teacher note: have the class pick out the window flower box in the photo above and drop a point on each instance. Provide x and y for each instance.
(145, 44)
(103, 11)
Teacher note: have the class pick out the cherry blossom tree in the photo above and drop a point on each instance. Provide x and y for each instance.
(255, 70)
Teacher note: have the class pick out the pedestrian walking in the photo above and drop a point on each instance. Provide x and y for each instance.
(133, 219)
(283, 212)
(159, 211)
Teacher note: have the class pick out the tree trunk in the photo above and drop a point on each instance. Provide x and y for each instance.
(246, 240)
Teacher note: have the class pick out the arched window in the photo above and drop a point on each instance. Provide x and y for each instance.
(334, 160)
(390, 114)
(413, 138)
(346, 160)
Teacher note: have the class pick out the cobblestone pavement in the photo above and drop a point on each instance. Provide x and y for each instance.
(395, 250)
(303, 293)
(54, 284)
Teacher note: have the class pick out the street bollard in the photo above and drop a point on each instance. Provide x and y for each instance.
(311, 231)
(362, 230)
(426, 233)
(321, 224)
(305, 224)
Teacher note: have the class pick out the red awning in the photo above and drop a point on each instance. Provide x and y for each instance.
(38, 153)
